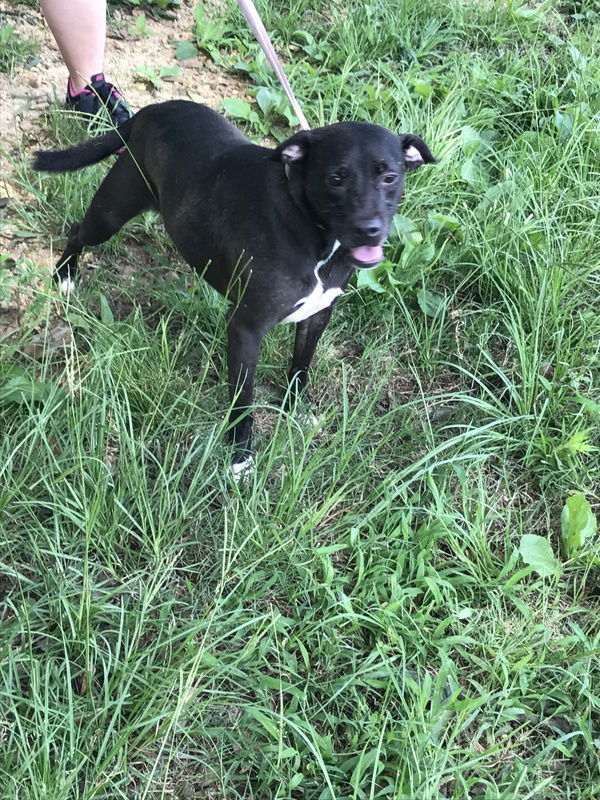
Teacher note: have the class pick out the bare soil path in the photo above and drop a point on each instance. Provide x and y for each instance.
(28, 94)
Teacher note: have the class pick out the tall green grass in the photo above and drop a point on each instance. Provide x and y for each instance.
(355, 621)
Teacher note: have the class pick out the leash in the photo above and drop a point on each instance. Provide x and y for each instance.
(249, 11)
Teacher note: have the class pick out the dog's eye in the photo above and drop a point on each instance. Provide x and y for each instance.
(335, 180)
(390, 178)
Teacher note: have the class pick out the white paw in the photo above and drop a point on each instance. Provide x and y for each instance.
(66, 286)
(242, 469)
(310, 420)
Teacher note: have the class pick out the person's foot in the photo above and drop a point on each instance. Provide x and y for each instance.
(96, 96)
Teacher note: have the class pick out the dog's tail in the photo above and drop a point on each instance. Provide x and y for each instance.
(83, 154)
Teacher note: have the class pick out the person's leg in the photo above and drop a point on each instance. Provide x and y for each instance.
(79, 27)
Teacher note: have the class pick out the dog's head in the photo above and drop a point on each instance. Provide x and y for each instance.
(352, 176)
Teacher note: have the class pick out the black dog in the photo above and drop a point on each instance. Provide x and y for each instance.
(278, 232)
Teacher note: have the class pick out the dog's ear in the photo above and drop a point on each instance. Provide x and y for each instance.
(416, 152)
(293, 149)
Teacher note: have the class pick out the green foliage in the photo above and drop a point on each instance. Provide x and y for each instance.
(140, 26)
(380, 611)
(213, 33)
(14, 50)
(19, 277)
(578, 524)
(536, 551)
(184, 50)
(155, 76)
(17, 386)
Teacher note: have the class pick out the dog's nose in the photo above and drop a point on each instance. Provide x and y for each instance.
(370, 228)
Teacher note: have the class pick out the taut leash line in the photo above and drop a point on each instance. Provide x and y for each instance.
(248, 9)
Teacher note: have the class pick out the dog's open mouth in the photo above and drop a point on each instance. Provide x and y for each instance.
(366, 257)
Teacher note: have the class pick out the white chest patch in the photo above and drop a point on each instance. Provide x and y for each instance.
(318, 298)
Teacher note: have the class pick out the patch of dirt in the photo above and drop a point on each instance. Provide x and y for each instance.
(29, 93)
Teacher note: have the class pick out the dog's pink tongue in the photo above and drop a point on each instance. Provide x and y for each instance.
(368, 254)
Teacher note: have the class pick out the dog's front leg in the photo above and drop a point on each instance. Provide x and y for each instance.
(308, 333)
(243, 345)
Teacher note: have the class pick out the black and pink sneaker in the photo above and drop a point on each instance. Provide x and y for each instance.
(98, 95)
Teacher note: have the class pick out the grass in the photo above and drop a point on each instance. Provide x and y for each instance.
(356, 621)
(14, 50)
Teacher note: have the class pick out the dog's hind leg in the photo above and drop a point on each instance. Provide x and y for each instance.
(66, 268)
(123, 194)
